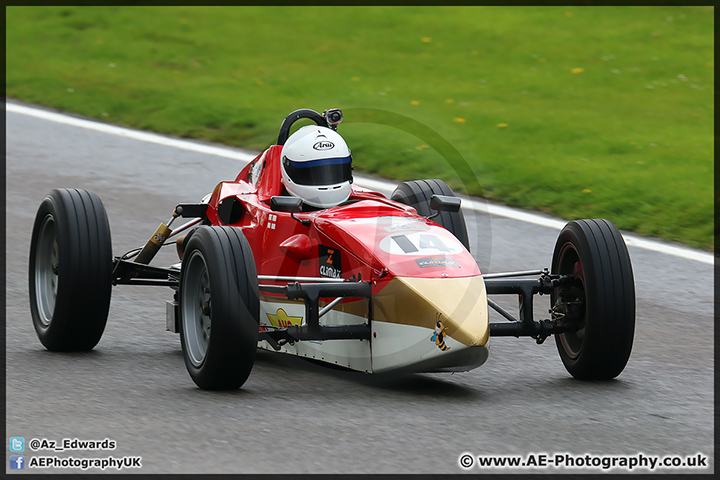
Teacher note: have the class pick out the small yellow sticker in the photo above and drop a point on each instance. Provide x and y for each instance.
(282, 319)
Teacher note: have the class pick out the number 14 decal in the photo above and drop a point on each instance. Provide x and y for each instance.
(419, 244)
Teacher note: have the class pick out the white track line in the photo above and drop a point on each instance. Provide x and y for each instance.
(477, 205)
(126, 132)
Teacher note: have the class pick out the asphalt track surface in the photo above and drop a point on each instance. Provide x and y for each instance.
(293, 416)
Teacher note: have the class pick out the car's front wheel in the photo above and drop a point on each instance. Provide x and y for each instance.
(219, 308)
(600, 305)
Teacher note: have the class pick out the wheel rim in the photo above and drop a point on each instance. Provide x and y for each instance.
(196, 309)
(569, 264)
(46, 270)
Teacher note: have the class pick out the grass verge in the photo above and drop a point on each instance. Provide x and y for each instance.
(577, 111)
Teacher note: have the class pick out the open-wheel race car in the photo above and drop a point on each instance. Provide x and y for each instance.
(291, 256)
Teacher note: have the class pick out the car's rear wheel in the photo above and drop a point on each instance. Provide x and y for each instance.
(417, 194)
(219, 308)
(601, 302)
(70, 270)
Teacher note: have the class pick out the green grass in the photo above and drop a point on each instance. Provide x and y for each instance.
(629, 137)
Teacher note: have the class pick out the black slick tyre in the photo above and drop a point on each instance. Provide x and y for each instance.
(601, 301)
(70, 270)
(417, 194)
(219, 308)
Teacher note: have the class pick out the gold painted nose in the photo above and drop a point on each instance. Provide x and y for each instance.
(459, 303)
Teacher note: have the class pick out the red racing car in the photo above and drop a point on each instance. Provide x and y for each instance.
(292, 256)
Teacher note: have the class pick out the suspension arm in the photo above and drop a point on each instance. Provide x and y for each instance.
(132, 273)
(310, 293)
(526, 289)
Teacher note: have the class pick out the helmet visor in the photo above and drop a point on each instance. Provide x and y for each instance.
(324, 171)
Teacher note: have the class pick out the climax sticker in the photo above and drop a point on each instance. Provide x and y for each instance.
(330, 265)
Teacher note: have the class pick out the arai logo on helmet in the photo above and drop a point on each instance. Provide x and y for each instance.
(324, 145)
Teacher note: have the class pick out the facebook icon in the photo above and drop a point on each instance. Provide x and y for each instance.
(17, 462)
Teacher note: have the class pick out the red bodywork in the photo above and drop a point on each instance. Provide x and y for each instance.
(355, 237)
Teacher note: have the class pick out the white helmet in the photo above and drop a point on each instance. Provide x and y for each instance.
(317, 166)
